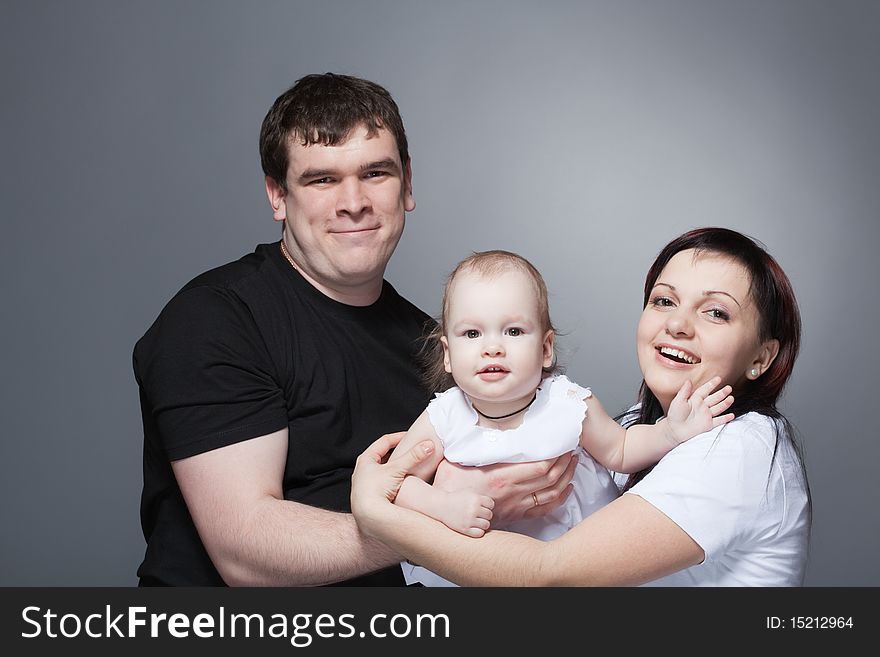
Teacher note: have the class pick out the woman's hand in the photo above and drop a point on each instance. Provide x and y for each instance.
(375, 482)
(520, 490)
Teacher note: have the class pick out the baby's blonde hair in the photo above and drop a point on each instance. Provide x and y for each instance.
(487, 264)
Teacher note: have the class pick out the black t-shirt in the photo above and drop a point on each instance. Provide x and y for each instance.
(247, 349)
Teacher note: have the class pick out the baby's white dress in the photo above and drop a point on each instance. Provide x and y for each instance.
(551, 427)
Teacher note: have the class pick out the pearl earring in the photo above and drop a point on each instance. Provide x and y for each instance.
(754, 373)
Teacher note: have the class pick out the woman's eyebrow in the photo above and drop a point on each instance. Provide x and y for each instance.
(709, 293)
(706, 293)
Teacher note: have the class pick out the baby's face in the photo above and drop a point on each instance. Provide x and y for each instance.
(495, 346)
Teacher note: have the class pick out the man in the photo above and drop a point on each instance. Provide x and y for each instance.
(261, 381)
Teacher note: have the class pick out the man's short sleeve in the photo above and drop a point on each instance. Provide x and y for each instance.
(206, 375)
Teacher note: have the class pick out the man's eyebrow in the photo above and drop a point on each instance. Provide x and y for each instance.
(387, 163)
(310, 174)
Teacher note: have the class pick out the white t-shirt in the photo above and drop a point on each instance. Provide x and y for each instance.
(745, 507)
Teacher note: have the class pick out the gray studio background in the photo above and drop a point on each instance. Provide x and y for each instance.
(584, 135)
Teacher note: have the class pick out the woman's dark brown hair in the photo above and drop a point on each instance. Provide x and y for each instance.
(778, 318)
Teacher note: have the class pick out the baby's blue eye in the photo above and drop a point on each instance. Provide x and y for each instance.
(514, 332)
(472, 333)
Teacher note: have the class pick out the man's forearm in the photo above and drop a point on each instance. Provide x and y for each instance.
(285, 543)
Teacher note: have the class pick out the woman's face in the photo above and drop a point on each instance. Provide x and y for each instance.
(700, 322)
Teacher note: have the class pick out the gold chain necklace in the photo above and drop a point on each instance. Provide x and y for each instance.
(287, 256)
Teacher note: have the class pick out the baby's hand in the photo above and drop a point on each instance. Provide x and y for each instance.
(468, 512)
(691, 414)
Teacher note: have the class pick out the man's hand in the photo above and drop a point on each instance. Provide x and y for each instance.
(377, 478)
(520, 490)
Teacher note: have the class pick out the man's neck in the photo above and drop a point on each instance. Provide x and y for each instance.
(364, 294)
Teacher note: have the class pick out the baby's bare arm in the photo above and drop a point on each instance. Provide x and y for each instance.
(421, 429)
(629, 450)
(464, 510)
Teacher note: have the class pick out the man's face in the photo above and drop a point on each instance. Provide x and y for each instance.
(344, 212)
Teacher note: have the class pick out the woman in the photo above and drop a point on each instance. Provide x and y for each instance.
(730, 507)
